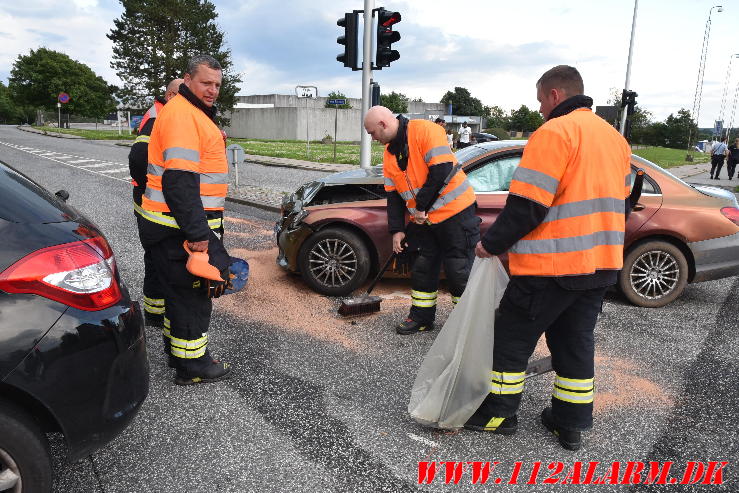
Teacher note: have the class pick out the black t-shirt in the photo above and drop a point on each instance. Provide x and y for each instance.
(734, 153)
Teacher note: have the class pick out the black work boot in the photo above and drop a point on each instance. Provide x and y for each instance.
(410, 326)
(201, 370)
(499, 426)
(571, 440)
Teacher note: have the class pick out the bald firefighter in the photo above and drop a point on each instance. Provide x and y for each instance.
(422, 177)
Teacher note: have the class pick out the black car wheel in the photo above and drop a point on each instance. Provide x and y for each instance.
(655, 273)
(25, 464)
(334, 262)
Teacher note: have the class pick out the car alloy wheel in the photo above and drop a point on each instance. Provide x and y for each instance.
(334, 261)
(654, 274)
(10, 474)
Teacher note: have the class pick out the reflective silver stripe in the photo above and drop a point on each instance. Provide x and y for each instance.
(496, 388)
(455, 299)
(154, 169)
(445, 199)
(389, 182)
(628, 180)
(422, 295)
(164, 220)
(412, 210)
(153, 112)
(191, 344)
(211, 202)
(536, 178)
(155, 195)
(573, 397)
(573, 383)
(572, 244)
(181, 153)
(214, 178)
(584, 207)
(436, 151)
(142, 138)
(424, 303)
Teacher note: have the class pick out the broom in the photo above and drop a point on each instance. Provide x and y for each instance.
(365, 304)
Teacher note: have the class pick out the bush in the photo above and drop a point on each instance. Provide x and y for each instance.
(498, 132)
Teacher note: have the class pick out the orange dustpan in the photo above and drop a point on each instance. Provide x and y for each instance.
(198, 265)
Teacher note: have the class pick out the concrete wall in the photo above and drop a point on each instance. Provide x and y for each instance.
(290, 123)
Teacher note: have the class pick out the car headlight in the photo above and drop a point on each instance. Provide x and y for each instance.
(297, 218)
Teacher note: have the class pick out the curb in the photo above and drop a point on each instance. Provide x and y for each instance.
(48, 134)
(328, 167)
(251, 203)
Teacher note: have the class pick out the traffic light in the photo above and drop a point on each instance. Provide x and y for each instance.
(385, 38)
(349, 40)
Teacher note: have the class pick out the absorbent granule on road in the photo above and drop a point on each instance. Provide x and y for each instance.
(619, 385)
(275, 297)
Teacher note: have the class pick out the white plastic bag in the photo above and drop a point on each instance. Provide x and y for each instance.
(454, 377)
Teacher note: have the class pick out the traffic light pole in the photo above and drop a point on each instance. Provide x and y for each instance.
(365, 149)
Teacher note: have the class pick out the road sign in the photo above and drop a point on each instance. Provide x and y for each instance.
(306, 91)
(63, 97)
(136, 121)
(337, 102)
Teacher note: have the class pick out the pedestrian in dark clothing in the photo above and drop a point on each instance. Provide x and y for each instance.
(154, 303)
(733, 158)
(718, 155)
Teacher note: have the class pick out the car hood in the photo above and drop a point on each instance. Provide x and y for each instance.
(717, 192)
(357, 176)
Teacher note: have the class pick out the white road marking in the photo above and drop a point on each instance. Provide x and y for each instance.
(98, 165)
(423, 440)
(82, 161)
(117, 170)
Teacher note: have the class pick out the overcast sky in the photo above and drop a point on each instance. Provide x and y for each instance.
(496, 49)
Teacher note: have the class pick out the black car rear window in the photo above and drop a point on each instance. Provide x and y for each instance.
(25, 202)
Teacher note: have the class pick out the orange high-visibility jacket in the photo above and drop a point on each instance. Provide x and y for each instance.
(427, 146)
(151, 113)
(577, 165)
(186, 139)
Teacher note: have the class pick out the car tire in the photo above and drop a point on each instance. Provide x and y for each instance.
(655, 273)
(24, 452)
(334, 261)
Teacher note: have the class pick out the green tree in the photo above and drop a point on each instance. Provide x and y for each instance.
(463, 103)
(37, 79)
(496, 117)
(677, 128)
(337, 95)
(395, 102)
(8, 111)
(525, 120)
(154, 40)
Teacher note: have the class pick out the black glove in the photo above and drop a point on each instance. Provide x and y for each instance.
(214, 289)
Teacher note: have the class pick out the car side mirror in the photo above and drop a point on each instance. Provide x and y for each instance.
(62, 195)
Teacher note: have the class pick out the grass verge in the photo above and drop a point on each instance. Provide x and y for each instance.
(90, 134)
(669, 158)
(346, 152)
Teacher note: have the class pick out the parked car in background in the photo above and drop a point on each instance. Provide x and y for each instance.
(334, 231)
(72, 349)
(481, 137)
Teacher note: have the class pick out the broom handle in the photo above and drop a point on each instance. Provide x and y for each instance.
(379, 274)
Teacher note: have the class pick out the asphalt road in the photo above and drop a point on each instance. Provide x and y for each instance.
(318, 403)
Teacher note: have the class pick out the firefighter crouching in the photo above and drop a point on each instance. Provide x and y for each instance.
(154, 304)
(184, 201)
(422, 177)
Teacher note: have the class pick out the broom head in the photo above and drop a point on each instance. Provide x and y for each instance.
(360, 306)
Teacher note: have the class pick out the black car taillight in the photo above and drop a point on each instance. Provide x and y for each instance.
(80, 274)
(732, 214)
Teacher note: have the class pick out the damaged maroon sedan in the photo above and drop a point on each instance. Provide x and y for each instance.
(334, 231)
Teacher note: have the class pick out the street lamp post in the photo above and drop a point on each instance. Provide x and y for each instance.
(628, 67)
(726, 89)
(699, 81)
(733, 111)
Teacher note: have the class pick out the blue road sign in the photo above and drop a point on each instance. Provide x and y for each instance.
(63, 97)
(337, 102)
(136, 121)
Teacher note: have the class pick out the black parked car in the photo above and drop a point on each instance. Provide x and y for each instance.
(72, 348)
(481, 137)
